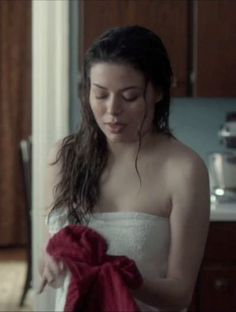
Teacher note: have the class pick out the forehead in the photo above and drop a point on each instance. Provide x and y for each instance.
(114, 75)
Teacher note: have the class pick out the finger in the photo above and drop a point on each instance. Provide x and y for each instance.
(54, 266)
(49, 275)
(61, 266)
(42, 285)
(52, 280)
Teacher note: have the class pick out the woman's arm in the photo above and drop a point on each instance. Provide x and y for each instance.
(189, 222)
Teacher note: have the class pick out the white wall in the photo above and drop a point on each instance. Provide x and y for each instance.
(50, 60)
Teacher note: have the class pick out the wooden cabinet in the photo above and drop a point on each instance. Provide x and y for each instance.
(215, 50)
(167, 18)
(216, 286)
(218, 289)
(200, 37)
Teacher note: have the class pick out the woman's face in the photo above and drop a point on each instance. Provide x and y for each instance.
(117, 101)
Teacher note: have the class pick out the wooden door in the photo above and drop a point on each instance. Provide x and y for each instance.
(15, 115)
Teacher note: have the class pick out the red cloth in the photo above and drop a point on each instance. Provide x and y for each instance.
(99, 282)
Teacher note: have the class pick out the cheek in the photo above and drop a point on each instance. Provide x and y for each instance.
(97, 110)
(137, 112)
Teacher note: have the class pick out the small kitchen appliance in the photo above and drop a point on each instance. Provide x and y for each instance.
(222, 165)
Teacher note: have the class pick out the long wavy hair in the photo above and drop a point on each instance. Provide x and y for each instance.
(83, 156)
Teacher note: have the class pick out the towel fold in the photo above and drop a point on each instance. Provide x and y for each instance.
(99, 282)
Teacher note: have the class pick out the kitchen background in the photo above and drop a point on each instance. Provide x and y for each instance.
(195, 121)
(205, 27)
(202, 49)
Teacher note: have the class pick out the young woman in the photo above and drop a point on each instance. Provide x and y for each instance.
(125, 175)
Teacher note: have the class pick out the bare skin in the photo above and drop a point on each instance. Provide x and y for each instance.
(174, 182)
(175, 186)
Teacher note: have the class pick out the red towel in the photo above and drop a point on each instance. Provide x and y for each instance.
(99, 282)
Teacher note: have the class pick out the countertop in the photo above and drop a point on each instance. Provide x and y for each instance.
(223, 211)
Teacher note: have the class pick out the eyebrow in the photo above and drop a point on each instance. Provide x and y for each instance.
(123, 89)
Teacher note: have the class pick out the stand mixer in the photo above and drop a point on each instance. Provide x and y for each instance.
(222, 165)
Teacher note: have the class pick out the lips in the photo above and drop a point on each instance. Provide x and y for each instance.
(116, 127)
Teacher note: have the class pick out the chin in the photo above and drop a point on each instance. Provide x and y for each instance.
(121, 139)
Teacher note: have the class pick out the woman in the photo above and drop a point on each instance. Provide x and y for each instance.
(125, 175)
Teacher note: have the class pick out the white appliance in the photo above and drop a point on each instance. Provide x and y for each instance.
(222, 165)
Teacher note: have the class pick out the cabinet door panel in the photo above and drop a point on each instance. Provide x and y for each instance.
(216, 48)
(218, 290)
(168, 18)
(221, 243)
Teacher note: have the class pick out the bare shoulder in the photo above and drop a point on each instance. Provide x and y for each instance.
(188, 178)
(184, 162)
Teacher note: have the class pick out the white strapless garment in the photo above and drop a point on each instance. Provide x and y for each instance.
(140, 236)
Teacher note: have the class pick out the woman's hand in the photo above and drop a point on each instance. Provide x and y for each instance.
(52, 273)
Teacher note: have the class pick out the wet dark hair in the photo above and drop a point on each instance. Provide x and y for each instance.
(83, 156)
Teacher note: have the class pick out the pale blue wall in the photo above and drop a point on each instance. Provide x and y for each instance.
(196, 121)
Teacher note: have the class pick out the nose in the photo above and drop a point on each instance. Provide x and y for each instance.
(114, 106)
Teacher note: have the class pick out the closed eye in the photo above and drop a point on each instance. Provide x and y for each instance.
(131, 98)
(99, 97)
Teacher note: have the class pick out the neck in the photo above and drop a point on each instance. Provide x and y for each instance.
(121, 150)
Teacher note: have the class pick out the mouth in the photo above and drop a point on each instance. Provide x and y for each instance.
(115, 127)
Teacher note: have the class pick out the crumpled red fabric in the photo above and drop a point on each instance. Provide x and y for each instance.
(99, 282)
